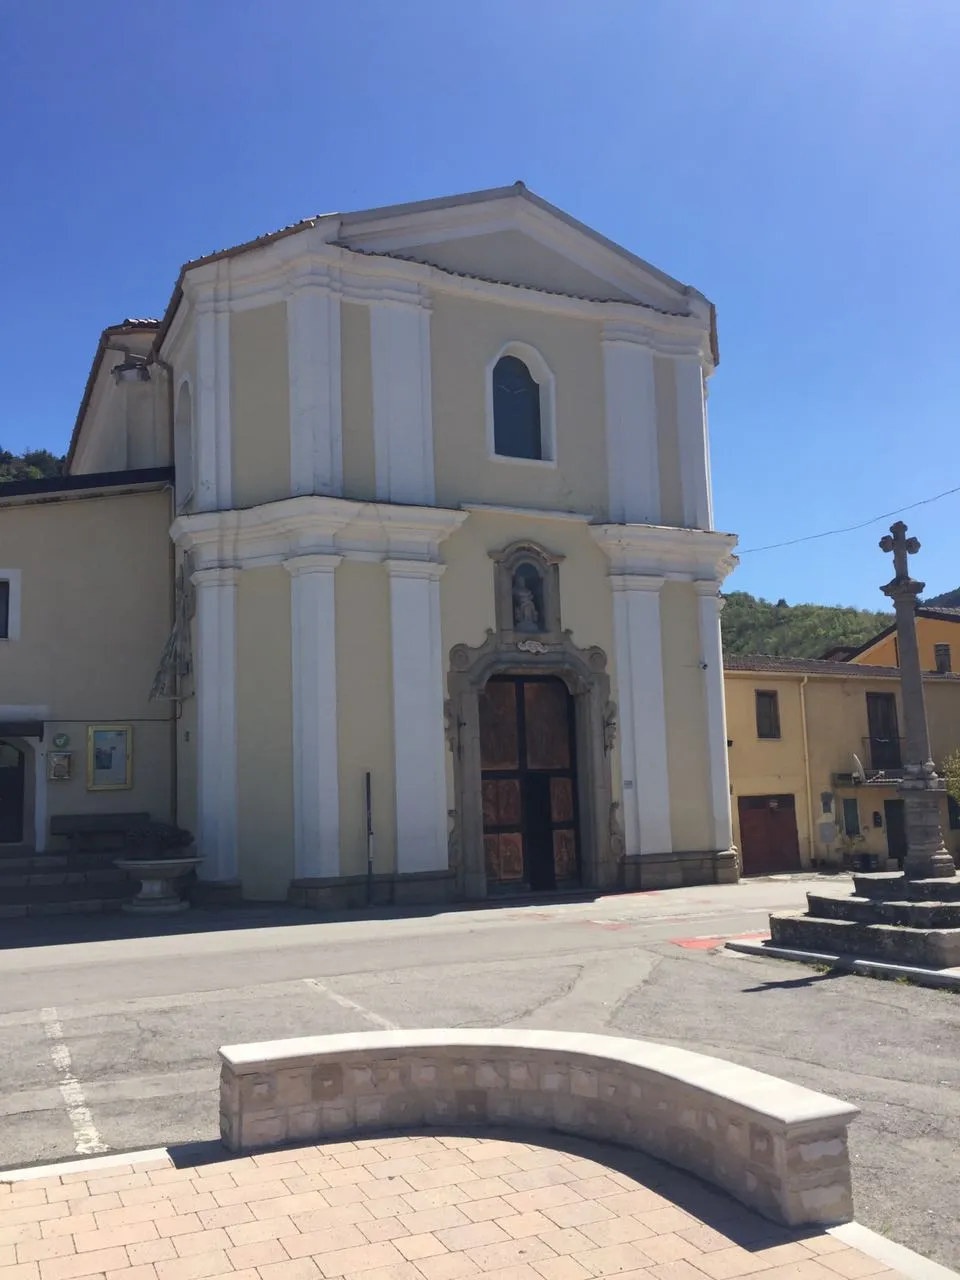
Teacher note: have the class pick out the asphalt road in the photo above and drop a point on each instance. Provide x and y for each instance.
(110, 1043)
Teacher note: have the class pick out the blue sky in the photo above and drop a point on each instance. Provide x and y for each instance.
(798, 163)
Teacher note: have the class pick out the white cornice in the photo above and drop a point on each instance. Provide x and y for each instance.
(266, 275)
(490, 509)
(312, 526)
(693, 555)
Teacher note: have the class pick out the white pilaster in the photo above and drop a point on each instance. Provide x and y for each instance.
(402, 401)
(711, 651)
(216, 683)
(419, 744)
(643, 721)
(631, 428)
(213, 453)
(313, 344)
(692, 433)
(316, 787)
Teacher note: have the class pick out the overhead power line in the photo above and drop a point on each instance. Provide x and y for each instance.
(851, 528)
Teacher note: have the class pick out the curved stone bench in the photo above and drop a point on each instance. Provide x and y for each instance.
(777, 1147)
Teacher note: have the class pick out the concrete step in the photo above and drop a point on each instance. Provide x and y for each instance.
(897, 888)
(65, 889)
(897, 944)
(916, 915)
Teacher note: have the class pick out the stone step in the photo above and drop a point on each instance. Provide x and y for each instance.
(916, 915)
(925, 948)
(65, 889)
(897, 888)
(78, 907)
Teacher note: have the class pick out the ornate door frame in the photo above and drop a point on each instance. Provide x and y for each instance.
(584, 673)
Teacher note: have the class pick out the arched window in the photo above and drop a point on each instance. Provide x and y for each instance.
(516, 410)
(183, 446)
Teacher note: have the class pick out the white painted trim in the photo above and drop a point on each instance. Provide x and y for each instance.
(184, 486)
(418, 734)
(579, 517)
(13, 576)
(663, 551)
(216, 685)
(271, 533)
(213, 455)
(711, 665)
(542, 374)
(402, 400)
(316, 779)
(643, 721)
(313, 346)
(692, 433)
(633, 466)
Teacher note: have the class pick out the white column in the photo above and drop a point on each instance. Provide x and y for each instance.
(214, 466)
(643, 721)
(216, 683)
(633, 465)
(692, 434)
(313, 345)
(711, 651)
(316, 785)
(402, 401)
(418, 737)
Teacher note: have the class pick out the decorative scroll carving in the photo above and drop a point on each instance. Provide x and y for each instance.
(609, 727)
(176, 661)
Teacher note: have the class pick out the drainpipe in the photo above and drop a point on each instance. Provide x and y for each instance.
(806, 762)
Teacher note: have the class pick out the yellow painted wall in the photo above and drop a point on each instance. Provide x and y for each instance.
(930, 632)
(260, 405)
(687, 752)
(357, 402)
(264, 732)
(668, 440)
(365, 714)
(466, 335)
(95, 615)
(836, 726)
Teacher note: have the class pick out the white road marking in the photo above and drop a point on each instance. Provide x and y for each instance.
(384, 1023)
(87, 1141)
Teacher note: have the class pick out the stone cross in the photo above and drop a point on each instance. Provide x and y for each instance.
(901, 547)
(920, 787)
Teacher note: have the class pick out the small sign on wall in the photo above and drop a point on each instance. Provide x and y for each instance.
(59, 766)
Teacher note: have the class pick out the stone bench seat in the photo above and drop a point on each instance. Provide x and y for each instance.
(777, 1147)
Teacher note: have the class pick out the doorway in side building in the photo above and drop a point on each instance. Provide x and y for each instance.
(768, 835)
(894, 820)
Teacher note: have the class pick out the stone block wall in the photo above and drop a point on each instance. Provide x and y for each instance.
(777, 1147)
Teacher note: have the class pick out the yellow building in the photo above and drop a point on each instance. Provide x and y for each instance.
(815, 755)
(440, 549)
(938, 635)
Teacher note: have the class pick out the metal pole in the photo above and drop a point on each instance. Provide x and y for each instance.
(368, 807)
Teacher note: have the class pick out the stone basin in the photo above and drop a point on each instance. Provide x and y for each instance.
(159, 883)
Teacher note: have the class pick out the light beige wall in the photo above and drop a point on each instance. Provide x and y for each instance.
(668, 440)
(465, 336)
(265, 732)
(365, 714)
(763, 766)
(260, 405)
(685, 703)
(95, 615)
(357, 402)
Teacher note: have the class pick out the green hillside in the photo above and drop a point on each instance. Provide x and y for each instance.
(34, 464)
(794, 630)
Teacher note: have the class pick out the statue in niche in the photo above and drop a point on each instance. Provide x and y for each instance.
(527, 599)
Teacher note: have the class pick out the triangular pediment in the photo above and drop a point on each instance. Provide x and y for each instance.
(512, 236)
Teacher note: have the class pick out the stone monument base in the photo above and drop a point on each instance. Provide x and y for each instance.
(889, 918)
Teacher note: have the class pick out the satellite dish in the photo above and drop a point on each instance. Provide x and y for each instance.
(858, 772)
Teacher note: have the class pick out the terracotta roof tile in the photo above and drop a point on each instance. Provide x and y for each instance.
(763, 663)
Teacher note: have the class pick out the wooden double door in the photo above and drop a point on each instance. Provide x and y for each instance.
(528, 777)
(12, 792)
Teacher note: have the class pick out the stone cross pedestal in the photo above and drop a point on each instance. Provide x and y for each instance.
(920, 787)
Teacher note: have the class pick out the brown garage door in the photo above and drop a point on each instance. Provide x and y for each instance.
(768, 835)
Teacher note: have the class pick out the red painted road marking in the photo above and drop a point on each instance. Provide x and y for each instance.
(708, 944)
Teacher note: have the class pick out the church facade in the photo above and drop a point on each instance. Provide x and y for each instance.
(439, 575)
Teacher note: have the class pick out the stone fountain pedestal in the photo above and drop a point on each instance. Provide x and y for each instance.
(160, 880)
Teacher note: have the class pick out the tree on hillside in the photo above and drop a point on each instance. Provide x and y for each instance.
(752, 625)
(33, 464)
